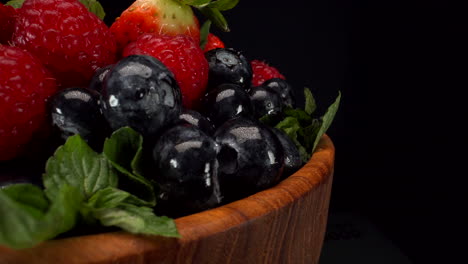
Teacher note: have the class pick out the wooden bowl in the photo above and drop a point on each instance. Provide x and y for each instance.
(284, 224)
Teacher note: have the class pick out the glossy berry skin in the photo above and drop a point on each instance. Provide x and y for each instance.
(99, 77)
(25, 85)
(7, 23)
(182, 56)
(263, 72)
(283, 88)
(142, 93)
(213, 42)
(292, 157)
(228, 66)
(68, 39)
(186, 170)
(250, 158)
(265, 101)
(78, 111)
(226, 102)
(194, 118)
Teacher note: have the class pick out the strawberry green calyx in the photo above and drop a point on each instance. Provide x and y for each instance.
(221, 5)
(168, 17)
(15, 3)
(174, 11)
(204, 32)
(94, 7)
(212, 10)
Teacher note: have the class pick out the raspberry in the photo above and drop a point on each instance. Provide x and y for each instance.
(7, 23)
(213, 42)
(263, 72)
(182, 56)
(69, 40)
(25, 85)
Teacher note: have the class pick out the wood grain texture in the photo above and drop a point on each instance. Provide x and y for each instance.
(284, 224)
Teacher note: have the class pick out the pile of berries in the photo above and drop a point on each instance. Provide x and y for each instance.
(63, 70)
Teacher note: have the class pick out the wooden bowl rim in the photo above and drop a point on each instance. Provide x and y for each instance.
(192, 227)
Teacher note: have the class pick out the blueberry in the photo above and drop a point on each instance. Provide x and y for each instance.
(142, 93)
(250, 158)
(226, 102)
(284, 89)
(99, 77)
(78, 111)
(265, 101)
(228, 66)
(186, 170)
(194, 118)
(292, 157)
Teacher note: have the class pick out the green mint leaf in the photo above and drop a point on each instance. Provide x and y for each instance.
(305, 155)
(94, 7)
(63, 213)
(291, 126)
(301, 128)
(77, 165)
(195, 3)
(114, 207)
(26, 222)
(216, 17)
(299, 114)
(310, 105)
(112, 197)
(223, 5)
(204, 31)
(15, 3)
(137, 164)
(137, 220)
(309, 133)
(19, 225)
(28, 195)
(124, 150)
(327, 119)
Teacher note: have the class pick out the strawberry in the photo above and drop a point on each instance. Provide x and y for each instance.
(7, 23)
(168, 17)
(69, 40)
(263, 72)
(213, 42)
(25, 85)
(182, 56)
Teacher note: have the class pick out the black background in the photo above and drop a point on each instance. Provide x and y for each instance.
(399, 152)
(395, 133)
